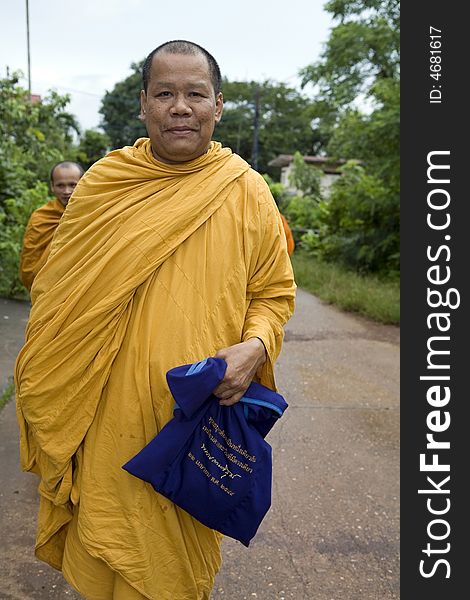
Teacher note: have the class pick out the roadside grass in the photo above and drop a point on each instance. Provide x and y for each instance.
(7, 394)
(367, 295)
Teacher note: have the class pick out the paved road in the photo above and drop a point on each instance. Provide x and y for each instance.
(333, 530)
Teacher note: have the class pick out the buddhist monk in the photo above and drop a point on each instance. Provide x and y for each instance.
(170, 251)
(44, 221)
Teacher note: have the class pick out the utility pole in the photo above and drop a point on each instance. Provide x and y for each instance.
(254, 152)
(29, 55)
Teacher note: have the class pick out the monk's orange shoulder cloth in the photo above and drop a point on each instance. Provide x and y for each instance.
(289, 236)
(126, 217)
(152, 266)
(37, 240)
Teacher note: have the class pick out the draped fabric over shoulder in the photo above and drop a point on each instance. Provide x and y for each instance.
(152, 266)
(37, 240)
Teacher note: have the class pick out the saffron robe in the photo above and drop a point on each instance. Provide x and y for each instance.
(152, 266)
(289, 236)
(37, 240)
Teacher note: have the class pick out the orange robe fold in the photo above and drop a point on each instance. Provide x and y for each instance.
(289, 236)
(37, 240)
(152, 266)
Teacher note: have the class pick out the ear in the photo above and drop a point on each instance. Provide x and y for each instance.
(143, 105)
(219, 106)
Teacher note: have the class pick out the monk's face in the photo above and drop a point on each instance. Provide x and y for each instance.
(180, 108)
(64, 181)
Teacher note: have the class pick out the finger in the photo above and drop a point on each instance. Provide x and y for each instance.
(223, 391)
(231, 400)
(227, 393)
(228, 387)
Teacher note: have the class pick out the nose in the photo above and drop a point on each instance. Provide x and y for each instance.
(69, 189)
(180, 106)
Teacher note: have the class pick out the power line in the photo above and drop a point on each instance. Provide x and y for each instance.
(66, 89)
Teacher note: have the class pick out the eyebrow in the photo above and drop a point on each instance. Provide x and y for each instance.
(189, 83)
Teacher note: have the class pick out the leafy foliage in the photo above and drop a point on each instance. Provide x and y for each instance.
(362, 49)
(13, 220)
(303, 210)
(93, 146)
(276, 188)
(33, 137)
(285, 117)
(120, 109)
(358, 107)
(304, 177)
(361, 222)
(373, 138)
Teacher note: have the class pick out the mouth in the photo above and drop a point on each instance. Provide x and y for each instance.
(183, 130)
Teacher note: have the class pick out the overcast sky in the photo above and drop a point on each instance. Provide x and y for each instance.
(84, 47)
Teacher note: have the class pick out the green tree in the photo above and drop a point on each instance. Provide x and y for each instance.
(33, 136)
(373, 138)
(93, 146)
(120, 109)
(357, 79)
(285, 117)
(363, 48)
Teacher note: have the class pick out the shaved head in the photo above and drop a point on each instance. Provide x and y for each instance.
(68, 164)
(189, 49)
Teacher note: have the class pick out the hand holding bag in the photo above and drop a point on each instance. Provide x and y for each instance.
(212, 460)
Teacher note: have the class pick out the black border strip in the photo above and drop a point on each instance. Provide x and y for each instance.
(434, 133)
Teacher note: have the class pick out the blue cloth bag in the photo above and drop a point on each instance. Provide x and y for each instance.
(212, 460)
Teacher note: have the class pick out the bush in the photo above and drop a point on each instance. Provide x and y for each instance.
(13, 219)
(357, 225)
(360, 224)
(33, 137)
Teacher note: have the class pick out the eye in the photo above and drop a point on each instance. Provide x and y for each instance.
(163, 94)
